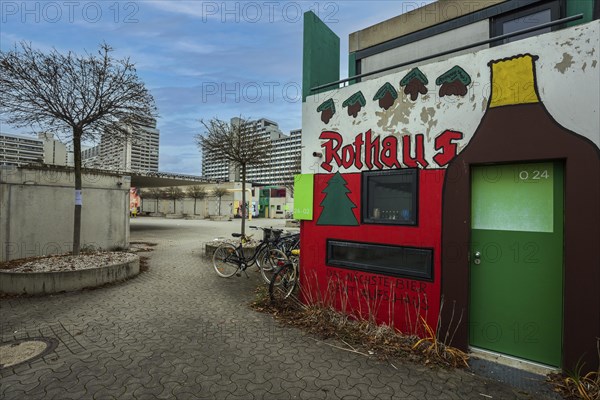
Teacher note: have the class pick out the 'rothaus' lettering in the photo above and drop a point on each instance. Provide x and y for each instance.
(378, 152)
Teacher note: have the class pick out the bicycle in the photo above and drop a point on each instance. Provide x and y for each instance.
(286, 243)
(285, 280)
(229, 260)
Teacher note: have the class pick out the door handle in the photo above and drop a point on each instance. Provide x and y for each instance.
(477, 257)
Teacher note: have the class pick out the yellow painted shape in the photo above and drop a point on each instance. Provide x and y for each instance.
(513, 81)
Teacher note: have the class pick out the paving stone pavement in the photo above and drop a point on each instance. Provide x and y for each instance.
(179, 331)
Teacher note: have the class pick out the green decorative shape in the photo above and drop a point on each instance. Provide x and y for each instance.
(337, 206)
(386, 88)
(355, 98)
(456, 73)
(415, 73)
(326, 105)
(320, 57)
(303, 196)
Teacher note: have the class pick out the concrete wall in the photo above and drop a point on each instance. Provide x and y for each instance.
(435, 44)
(36, 211)
(414, 19)
(204, 208)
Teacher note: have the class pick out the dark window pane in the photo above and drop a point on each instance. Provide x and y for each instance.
(527, 21)
(390, 197)
(383, 259)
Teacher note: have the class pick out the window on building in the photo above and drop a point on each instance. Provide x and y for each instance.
(410, 262)
(390, 197)
(523, 19)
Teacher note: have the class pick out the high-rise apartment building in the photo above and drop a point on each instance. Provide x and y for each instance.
(283, 163)
(21, 150)
(139, 152)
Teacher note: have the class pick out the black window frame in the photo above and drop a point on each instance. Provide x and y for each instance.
(365, 175)
(399, 272)
(557, 11)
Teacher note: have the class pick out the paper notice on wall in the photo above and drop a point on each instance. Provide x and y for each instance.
(78, 200)
(303, 196)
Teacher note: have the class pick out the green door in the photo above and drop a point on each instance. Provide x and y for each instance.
(516, 260)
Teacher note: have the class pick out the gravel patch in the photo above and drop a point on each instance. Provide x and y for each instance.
(60, 263)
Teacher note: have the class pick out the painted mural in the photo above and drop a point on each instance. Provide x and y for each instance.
(428, 109)
(434, 127)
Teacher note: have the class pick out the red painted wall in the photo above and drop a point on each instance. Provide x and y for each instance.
(393, 300)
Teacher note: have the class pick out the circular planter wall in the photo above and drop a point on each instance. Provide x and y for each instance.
(65, 281)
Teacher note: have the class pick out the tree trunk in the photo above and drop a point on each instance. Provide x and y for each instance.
(174, 206)
(195, 205)
(219, 206)
(243, 199)
(77, 132)
(157, 205)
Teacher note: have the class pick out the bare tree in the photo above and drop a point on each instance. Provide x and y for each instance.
(288, 173)
(84, 96)
(153, 193)
(174, 193)
(237, 143)
(219, 193)
(196, 192)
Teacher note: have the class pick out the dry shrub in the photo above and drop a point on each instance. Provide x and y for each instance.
(328, 314)
(575, 385)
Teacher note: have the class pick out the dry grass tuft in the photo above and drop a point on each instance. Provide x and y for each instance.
(360, 335)
(575, 385)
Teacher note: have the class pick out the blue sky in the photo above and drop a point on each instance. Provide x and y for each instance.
(200, 59)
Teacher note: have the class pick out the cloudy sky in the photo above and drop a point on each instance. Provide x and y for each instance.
(200, 59)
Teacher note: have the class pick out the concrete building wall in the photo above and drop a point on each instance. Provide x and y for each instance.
(55, 152)
(413, 19)
(36, 212)
(435, 44)
(19, 150)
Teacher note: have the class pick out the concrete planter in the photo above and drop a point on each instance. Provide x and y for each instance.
(210, 248)
(220, 218)
(174, 216)
(66, 281)
(292, 223)
(194, 216)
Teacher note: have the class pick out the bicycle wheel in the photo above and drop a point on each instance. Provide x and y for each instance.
(226, 260)
(271, 260)
(283, 283)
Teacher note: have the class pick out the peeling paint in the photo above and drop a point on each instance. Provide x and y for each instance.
(484, 103)
(427, 114)
(591, 53)
(584, 66)
(398, 114)
(594, 63)
(568, 42)
(564, 65)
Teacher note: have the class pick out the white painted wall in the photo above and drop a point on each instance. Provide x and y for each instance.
(569, 90)
(36, 212)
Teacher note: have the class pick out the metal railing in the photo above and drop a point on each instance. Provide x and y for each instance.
(454, 50)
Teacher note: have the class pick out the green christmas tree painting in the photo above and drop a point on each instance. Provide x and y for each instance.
(337, 206)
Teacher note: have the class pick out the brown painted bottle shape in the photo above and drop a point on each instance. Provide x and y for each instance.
(517, 128)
